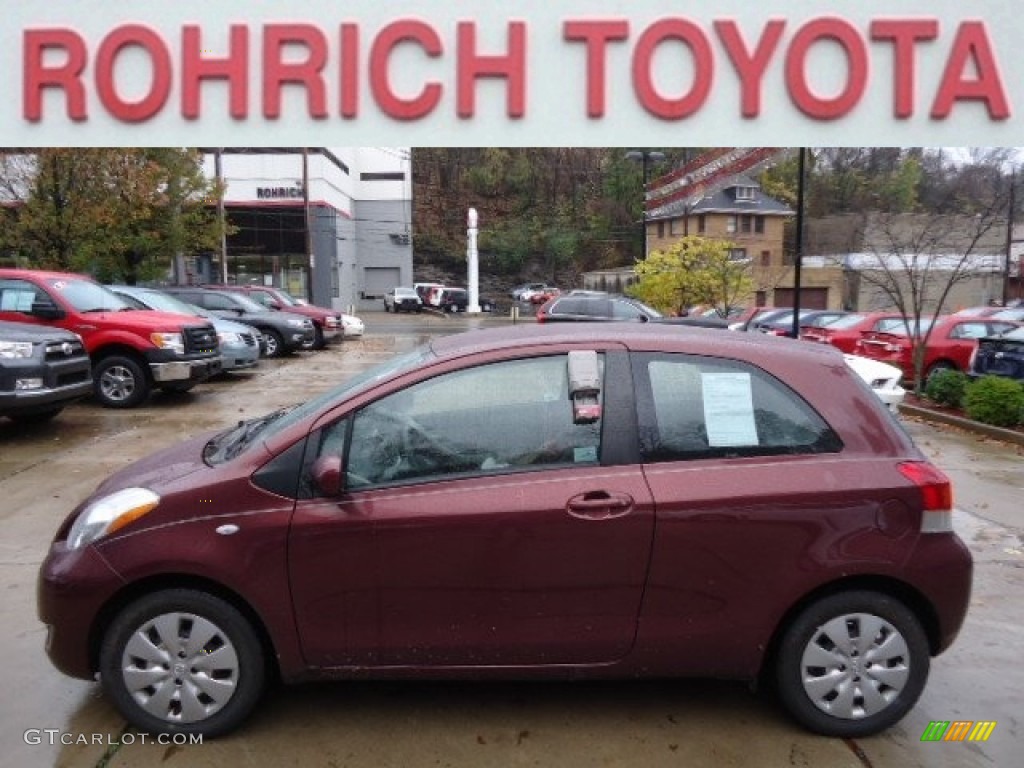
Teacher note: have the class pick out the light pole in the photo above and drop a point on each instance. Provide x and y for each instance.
(645, 158)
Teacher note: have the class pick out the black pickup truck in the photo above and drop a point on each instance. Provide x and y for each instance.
(41, 370)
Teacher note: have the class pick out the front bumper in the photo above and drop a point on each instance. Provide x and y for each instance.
(61, 382)
(71, 590)
(185, 370)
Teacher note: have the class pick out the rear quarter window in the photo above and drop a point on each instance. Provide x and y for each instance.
(698, 407)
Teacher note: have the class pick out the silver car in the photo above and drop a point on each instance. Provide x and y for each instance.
(240, 344)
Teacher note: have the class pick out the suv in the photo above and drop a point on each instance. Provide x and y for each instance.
(401, 299)
(454, 300)
(600, 308)
(283, 332)
(327, 324)
(41, 371)
(132, 351)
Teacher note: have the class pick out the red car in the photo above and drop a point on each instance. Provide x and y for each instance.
(951, 343)
(845, 332)
(575, 500)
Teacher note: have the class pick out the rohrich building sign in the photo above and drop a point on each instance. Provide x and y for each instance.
(836, 73)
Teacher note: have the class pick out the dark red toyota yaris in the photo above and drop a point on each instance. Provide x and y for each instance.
(564, 501)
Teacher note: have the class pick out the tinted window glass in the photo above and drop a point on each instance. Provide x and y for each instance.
(501, 417)
(704, 407)
(623, 310)
(18, 296)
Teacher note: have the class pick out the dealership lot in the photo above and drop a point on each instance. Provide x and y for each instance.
(43, 473)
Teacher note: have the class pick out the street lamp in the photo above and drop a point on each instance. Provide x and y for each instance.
(645, 158)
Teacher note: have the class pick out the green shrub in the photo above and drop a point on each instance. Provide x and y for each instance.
(995, 400)
(946, 387)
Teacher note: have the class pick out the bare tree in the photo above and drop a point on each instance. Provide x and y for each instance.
(916, 260)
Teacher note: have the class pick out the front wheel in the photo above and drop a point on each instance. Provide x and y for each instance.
(119, 382)
(852, 664)
(275, 343)
(182, 661)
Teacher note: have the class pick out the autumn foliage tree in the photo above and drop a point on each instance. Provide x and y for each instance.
(693, 270)
(117, 213)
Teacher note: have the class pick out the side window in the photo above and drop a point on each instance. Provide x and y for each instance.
(497, 418)
(18, 295)
(698, 407)
(262, 297)
(623, 310)
(216, 301)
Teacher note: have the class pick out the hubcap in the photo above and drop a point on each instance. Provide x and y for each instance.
(854, 666)
(271, 345)
(117, 383)
(180, 668)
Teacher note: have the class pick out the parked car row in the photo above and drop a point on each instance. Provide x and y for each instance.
(64, 335)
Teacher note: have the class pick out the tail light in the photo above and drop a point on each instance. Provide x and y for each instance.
(936, 495)
(541, 317)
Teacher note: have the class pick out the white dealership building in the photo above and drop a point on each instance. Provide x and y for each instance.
(330, 224)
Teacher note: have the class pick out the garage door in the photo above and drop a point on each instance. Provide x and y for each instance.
(810, 298)
(379, 280)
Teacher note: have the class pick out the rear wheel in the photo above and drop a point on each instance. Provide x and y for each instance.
(182, 661)
(275, 343)
(119, 382)
(318, 337)
(852, 664)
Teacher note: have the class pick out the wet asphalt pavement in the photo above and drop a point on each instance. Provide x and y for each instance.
(45, 471)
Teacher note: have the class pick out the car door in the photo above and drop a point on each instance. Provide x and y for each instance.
(746, 477)
(480, 525)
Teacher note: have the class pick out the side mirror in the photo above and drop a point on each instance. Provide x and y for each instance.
(276, 305)
(327, 476)
(47, 310)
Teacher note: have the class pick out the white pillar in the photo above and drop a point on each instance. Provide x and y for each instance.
(472, 264)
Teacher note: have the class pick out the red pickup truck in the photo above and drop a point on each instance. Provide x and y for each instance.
(132, 351)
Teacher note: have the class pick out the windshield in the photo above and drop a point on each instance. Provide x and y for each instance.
(286, 298)
(165, 303)
(649, 311)
(87, 296)
(900, 327)
(847, 321)
(234, 441)
(245, 302)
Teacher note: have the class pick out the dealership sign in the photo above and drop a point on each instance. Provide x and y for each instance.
(477, 73)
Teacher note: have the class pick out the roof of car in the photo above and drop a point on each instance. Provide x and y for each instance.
(637, 336)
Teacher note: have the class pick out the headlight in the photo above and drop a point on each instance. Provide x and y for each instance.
(230, 338)
(109, 514)
(171, 341)
(13, 349)
(296, 323)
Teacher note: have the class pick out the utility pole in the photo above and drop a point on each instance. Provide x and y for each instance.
(798, 257)
(1010, 210)
(221, 217)
(645, 158)
(310, 258)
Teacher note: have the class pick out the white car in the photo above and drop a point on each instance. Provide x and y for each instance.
(884, 379)
(351, 326)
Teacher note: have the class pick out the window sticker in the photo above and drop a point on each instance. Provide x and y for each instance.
(728, 409)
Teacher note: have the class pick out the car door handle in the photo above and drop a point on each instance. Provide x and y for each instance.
(599, 505)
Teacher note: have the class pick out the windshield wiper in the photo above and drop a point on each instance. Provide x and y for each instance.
(229, 444)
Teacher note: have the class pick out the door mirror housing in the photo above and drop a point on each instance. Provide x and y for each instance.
(47, 310)
(327, 476)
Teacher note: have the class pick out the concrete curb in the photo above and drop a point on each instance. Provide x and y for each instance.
(986, 430)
